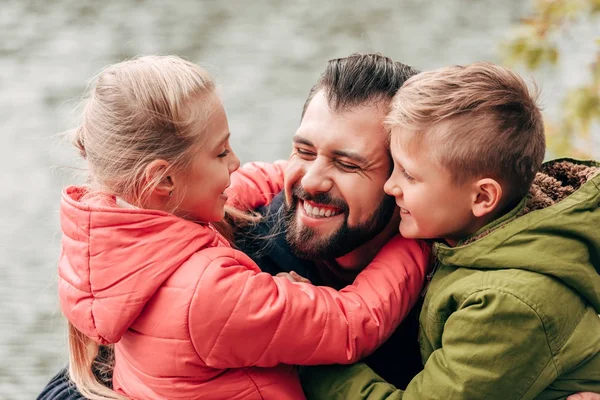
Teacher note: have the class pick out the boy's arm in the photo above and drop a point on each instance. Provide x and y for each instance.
(356, 381)
(255, 184)
(493, 347)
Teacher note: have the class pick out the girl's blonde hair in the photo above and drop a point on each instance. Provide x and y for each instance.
(136, 112)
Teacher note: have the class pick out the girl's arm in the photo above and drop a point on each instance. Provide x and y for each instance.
(240, 317)
(255, 184)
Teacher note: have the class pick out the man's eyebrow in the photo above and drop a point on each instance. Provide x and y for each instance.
(352, 155)
(301, 140)
(340, 153)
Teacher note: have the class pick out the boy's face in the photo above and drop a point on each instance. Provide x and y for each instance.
(432, 205)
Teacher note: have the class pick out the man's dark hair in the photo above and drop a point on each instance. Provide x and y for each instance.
(360, 79)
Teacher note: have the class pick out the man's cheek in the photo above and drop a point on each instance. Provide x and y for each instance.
(291, 176)
(293, 172)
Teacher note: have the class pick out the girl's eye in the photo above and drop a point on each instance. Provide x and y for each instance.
(224, 153)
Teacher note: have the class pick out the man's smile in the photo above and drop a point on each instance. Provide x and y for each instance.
(316, 210)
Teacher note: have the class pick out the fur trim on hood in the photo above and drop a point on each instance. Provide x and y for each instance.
(555, 182)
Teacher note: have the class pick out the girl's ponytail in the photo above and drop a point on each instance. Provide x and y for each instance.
(84, 360)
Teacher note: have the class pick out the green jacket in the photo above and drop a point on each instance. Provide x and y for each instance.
(511, 312)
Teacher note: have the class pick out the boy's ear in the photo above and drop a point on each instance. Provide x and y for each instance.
(487, 196)
(155, 169)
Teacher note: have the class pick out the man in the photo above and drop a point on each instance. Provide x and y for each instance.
(339, 216)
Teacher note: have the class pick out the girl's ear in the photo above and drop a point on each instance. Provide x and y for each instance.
(156, 170)
(487, 196)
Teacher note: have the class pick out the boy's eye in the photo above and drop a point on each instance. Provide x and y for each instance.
(407, 176)
(224, 153)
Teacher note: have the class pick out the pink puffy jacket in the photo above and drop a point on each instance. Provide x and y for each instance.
(192, 318)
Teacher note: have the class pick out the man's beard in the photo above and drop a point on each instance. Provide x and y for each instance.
(308, 245)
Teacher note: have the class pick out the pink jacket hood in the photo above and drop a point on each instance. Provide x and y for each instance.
(128, 254)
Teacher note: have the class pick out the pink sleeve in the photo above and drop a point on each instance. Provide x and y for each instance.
(255, 184)
(240, 317)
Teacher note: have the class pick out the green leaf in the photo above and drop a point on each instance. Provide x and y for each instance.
(534, 58)
(553, 55)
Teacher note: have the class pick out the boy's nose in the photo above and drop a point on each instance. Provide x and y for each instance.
(391, 188)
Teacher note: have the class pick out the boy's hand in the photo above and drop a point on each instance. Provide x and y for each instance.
(293, 277)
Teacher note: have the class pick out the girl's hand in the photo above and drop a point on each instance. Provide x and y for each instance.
(293, 277)
(584, 396)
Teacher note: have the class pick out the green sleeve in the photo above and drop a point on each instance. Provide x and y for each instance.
(355, 381)
(493, 347)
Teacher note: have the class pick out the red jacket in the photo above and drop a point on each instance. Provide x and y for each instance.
(192, 318)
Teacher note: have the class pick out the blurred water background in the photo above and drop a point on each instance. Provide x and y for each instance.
(265, 56)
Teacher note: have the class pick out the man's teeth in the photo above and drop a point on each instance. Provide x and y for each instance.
(317, 212)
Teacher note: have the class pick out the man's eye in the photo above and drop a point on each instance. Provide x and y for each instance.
(348, 167)
(223, 154)
(304, 153)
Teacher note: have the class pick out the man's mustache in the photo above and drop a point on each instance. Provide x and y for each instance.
(322, 198)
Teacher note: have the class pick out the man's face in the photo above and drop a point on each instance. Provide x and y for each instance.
(334, 180)
(432, 205)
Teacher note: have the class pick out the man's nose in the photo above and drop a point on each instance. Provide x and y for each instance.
(316, 178)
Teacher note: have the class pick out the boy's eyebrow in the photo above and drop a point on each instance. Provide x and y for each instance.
(340, 153)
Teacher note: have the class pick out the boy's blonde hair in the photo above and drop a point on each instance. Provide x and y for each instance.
(136, 112)
(479, 120)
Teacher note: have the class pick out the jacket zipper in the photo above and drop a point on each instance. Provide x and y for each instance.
(429, 276)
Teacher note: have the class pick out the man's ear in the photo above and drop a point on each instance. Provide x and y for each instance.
(156, 170)
(486, 197)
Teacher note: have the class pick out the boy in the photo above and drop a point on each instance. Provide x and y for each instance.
(512, 308)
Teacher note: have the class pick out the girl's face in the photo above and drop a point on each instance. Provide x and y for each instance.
(199, 192)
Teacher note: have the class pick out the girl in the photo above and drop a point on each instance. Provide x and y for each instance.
(145, 263)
